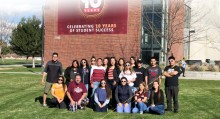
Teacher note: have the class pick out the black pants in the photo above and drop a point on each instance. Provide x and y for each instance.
(103, 109)
(172, 92)
(61, 105)
(183, 71)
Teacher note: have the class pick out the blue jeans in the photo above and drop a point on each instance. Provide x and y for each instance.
(141, 107)
(121, 109)
(95, 85)
(159, 109)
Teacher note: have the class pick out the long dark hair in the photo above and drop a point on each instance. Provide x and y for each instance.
(87, 64)
(107, 89)
(116, 64)
(63, 84)
(135, 61)
(122, 60)
(107, 63)
(76, 63)
(159, 93)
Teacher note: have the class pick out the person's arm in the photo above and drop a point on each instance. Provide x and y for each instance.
(144, 100)
(70, 98)
(106, 102)
(121, 74)
(134, 75)
(166, 74)
(96, 99)
(53, 93)
(43, 76)
(146, 78)
(61, 69)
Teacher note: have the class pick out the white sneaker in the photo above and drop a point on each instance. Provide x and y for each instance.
(141, 112)
(44, 105)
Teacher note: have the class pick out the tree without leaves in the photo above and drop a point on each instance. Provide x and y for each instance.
(6, 27)
(27, 38)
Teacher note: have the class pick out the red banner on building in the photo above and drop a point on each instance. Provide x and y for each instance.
(92, 17)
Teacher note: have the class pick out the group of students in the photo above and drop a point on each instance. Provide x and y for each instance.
(124, 86)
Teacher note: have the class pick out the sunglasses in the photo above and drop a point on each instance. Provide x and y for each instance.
(127, 65)
(103, 83)
(60, 79)
(83, 62)
(171, 61)
(123, 81)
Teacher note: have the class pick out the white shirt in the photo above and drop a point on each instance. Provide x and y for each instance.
(129, 76)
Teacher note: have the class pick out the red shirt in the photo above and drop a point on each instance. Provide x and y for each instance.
(76, 90)
(141, 95)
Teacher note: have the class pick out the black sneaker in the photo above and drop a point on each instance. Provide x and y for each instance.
(168, 109)
(175, 111)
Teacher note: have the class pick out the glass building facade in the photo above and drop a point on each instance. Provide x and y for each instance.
(153, 30)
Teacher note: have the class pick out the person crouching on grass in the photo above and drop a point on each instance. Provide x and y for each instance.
(140, 99)
(102, 97)
(156, 101)
(123, 96)
(76, 93)
(58, 91)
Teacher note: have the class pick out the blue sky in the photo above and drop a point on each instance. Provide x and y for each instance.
(14, 10)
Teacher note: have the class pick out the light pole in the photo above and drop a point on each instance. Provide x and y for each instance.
(190, 31)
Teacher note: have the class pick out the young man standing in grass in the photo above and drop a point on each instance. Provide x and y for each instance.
(153, 73)
(172, 73)
(53, 70)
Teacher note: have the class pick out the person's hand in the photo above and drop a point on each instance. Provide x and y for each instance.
(126, 104)
(60, 100)
(146, 87)
(100, 105)
(114, 83)
(71, 80)
(139, 100)
(42, 82)
(72, 103)
(153, 105)
(120, 104)
(92, 86)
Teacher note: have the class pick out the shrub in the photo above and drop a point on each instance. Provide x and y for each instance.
(213, 68)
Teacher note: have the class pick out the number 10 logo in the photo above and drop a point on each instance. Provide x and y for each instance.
(91, 6)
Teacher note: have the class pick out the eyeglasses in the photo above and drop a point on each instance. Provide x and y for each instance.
(127, 65)
(103, 83)
(93, 60)
(60, 79)
(123, 81)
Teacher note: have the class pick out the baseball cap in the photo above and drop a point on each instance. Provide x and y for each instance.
(139, 61)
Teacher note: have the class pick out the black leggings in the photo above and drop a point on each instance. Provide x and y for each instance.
(61, 105)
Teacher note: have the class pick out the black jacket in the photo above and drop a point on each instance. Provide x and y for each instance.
(123, 94)
(67, 73)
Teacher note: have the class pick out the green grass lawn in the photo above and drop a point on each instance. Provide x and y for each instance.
(17, 61)
(20, 93)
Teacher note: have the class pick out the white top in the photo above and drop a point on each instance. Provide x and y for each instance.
(129, 76)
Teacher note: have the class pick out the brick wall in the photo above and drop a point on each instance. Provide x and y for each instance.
(72, 47)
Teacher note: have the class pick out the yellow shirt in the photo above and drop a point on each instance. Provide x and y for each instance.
(58, 90)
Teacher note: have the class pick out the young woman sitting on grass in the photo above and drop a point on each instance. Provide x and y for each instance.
(140, 99)
(58, 92)
(156, 100)
(102, 97)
